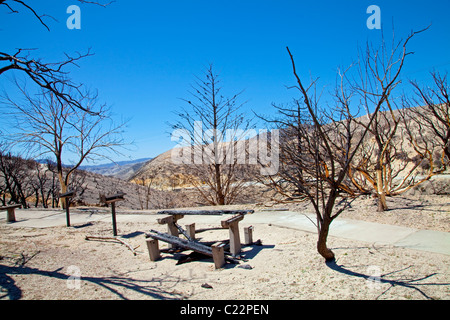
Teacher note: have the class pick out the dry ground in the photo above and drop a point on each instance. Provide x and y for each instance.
(44, 263)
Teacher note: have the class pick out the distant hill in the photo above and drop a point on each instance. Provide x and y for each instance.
(169, 174)
(121, 169)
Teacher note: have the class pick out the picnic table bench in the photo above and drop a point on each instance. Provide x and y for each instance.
(10, 215)
(216, 250)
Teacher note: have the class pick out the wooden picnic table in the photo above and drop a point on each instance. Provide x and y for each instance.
(216, 251)
(204, 212)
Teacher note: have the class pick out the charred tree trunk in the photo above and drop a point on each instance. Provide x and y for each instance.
(322, 241)
(381, 194)
(220, 196)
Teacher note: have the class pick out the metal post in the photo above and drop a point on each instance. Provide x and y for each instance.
(113, 211)
(67, 212)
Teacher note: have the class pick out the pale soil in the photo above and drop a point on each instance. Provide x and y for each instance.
(38, 263)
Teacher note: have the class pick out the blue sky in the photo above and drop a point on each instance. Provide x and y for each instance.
(147, 53)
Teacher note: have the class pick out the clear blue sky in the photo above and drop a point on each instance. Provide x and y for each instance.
(147, 53)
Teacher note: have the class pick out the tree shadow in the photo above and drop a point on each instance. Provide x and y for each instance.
(10, 290)
(132, 234)
(402, 203)
(407, 283)
(84, 225)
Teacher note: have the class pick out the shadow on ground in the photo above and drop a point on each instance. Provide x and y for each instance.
(411, 283)
(10, 290)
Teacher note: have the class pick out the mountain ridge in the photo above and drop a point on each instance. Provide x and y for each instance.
(120, 169)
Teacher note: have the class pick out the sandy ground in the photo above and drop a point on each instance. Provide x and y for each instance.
(58, 263)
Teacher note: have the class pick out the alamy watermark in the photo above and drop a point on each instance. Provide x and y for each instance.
(374, 20)
(74, 20)
(373, 282)
(74, 280)
(234, 146)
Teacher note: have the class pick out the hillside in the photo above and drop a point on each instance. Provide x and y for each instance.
(122, 169)
(136, 197)
(168, 175)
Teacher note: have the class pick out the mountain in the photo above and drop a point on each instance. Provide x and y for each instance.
(121, 169)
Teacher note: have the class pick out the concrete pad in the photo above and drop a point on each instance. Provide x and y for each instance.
(369, 231)
(427, 240)
(51, 218)
(286, 219)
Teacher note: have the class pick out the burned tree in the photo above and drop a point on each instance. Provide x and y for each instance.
(431, 115)
(319, 145)
(215, 171)
(389, 160)
(51, 76)
(46, 126)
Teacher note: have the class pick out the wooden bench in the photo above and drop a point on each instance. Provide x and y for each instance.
(11, 215)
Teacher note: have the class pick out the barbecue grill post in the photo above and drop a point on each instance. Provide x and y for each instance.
(113, 212)
(67, 196)
(67, 212)
(112, 199)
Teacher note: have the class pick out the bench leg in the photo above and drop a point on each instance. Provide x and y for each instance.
(248, 235)
(218, 255)
(153, 249)
(173, 231)
(190, 229)
(235, 241)
(10, 215)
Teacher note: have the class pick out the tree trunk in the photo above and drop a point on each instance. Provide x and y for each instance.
(62, 182)
(381, 194)
(36, 203)
(322, 242)
(220, 196)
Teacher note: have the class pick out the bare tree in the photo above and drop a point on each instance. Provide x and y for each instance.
(16, 174)
(40, 183)
(45, 126)
(318, 145)
(384, 160)
(212, 159)
(431, 114)
(394, 158)
(51, 76)
(148, 181)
